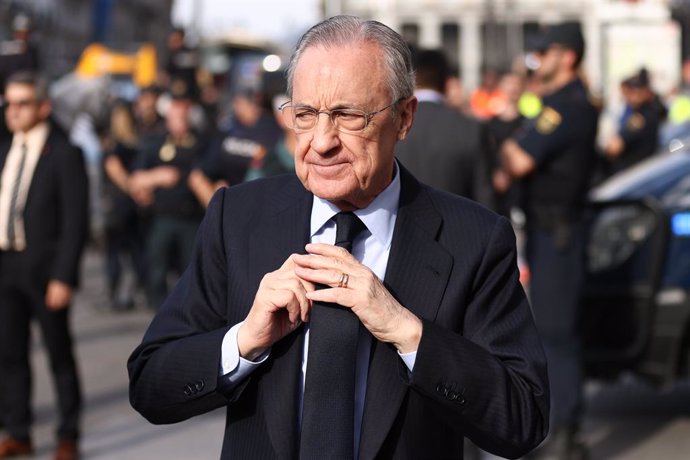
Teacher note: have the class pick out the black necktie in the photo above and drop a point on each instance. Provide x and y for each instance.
(12, 216)
(329, 390)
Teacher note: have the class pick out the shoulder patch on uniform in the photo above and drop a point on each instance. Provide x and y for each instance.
(548, 121)
(635, 122)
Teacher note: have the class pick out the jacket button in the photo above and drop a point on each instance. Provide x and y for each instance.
(452, 395)
(441, 388)
(188, 391)
(199, 385)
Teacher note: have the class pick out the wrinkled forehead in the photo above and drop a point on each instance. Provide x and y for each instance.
(340, 73)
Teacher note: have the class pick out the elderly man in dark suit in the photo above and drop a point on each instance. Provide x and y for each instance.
(43, 228)
(348, 311)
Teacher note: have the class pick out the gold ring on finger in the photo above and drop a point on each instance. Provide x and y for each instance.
(344, 278)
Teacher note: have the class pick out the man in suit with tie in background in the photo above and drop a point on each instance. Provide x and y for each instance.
(419, 336)
(43, 228)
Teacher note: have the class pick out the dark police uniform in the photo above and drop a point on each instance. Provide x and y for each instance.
(231, 155)
(494, 132)
(562, 143)
(640, 133)
(176, 213)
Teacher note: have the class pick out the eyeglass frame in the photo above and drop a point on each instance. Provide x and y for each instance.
(367, 115)
(21, 103)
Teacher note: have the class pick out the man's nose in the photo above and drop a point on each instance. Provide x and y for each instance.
(325, 135)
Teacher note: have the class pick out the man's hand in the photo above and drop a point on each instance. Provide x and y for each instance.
(280, 306)
(500, 180)
(614, 147)
(515, 161)
(364, 293)
(58, 295)
(165, 176)
(142, 184)
(139, 188)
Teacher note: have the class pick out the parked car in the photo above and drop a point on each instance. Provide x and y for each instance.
(637, 298)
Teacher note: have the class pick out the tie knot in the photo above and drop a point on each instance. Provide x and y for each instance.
(348, 226)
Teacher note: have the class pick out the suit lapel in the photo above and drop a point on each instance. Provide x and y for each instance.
(284, 230)
(4, 151)
(43, 168)
(417, 275)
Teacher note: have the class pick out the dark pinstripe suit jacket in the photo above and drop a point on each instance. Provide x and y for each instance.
(480, 370)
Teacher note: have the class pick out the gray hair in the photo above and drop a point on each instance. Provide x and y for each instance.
(33, 79)
(351, 30)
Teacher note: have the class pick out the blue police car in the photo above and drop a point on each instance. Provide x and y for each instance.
(636, 304)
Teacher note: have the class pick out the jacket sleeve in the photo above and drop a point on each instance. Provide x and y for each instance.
(174, 372)
(490, 378)
(73, 205)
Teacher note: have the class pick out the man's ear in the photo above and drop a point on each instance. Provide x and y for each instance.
(570, 57)
(407, 109)
(44, 109)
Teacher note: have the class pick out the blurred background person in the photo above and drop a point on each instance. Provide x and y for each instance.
(44, 204)
(160, 182)
(252, 133)
(182, 64)
(443, 145)
(487, 99)
(17, 53)
(281, 158)
(554, 158)
(455, 93)
(677, 125)
(147, 120)
(495, 131)
(20, 52)
(125, 228)
(638, 132)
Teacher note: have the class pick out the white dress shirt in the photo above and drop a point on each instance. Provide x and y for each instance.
(372, 248)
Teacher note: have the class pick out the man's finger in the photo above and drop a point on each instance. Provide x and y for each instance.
(328, 250)
(332, 278)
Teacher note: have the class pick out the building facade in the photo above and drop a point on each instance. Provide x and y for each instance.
(475, 33)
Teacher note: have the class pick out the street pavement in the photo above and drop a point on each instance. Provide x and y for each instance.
(625, 421)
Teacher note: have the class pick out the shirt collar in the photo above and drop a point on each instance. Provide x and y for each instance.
(379, 217)
(428, 95)
(34, 138)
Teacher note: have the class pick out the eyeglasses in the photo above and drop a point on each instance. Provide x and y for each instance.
(304, 118)
(19, 103)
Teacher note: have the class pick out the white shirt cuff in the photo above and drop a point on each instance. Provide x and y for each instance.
(233, 367)
(409, 359)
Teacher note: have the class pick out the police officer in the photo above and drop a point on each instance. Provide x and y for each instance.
(555, 158)
(183, 61)
(638, 134)
(252, 134)
(160, 182)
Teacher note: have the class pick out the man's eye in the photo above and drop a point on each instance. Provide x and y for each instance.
(304, 114)
(345, 115)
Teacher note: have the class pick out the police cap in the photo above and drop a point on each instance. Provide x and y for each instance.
(639, 80)
(567, 34)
